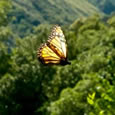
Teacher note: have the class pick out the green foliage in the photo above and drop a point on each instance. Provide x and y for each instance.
(111, 21)
(90, 99)
(68, 97)
(5, 6)
(5, 36)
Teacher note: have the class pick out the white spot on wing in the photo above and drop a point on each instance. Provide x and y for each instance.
(56, 34)
(61, 34)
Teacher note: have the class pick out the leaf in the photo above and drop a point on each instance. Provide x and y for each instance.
(90, 101)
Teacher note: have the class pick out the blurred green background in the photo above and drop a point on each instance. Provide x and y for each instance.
(86, 87)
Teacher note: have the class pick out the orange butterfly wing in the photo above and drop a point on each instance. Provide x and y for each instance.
(57, 42)
(54, 51)
(47, 56)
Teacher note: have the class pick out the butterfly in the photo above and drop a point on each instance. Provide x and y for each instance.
(54, 51)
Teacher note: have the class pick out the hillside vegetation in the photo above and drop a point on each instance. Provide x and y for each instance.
(31, 13)
(106, 6)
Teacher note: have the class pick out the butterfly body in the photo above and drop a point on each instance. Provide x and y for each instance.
(55, 50)
(64, 62)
